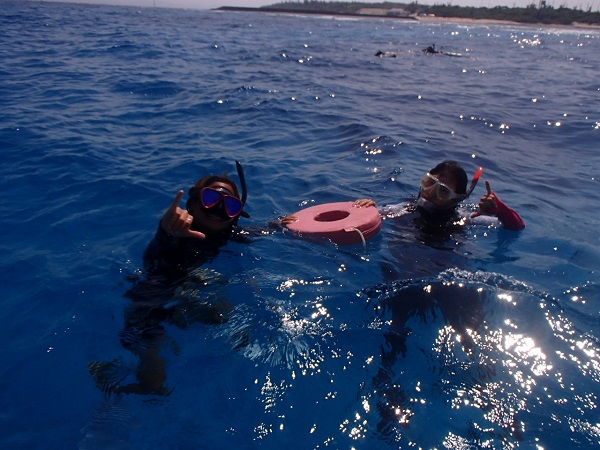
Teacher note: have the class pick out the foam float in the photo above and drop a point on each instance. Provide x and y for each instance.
(341, 222)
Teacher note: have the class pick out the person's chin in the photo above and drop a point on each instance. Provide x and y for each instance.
(215, 223)
(439, 204)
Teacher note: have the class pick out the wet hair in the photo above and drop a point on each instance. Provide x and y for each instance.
(194, 192)
(456, 171)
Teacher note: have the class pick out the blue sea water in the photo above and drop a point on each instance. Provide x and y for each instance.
(108, 111)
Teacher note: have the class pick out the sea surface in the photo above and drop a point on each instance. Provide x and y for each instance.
(484, 338)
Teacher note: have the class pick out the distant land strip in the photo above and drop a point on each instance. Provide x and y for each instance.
(309, 11)
(540, 14)
(267, 9)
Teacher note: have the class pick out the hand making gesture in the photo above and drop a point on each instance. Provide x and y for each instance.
(178, 222)
(488, 203)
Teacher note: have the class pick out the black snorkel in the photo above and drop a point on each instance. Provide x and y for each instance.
(240, 171)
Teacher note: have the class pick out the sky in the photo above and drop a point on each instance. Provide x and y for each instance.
(210, 4)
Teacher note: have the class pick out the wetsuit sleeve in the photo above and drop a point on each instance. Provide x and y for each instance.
(509, 218)
(161, 247)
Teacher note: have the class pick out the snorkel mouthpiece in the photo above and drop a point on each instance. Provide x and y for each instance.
(425, 204)
(431, 207)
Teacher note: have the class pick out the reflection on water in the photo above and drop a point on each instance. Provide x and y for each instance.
(501, 357)
(461, 358)
(289, 334)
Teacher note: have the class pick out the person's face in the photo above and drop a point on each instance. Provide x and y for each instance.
(212, 219)
(439, 189)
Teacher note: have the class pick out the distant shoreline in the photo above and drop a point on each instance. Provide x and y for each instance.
(504, 22)
(408, 18)
(308, 12)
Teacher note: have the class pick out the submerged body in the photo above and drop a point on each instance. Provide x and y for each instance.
(184, 241)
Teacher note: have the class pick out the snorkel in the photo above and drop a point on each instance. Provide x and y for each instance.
(474, 182)
(240, 171)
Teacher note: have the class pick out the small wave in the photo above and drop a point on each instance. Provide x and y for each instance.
(149, 89)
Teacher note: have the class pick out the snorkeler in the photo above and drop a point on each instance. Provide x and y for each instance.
(185, 239)
(444, 187)
(428, 239)
(435, 213)
(188, 236)
(430, 50)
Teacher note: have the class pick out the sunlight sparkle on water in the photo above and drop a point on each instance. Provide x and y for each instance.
(507, 298)
(321, 311)
(526, 351)
(366, 406)
(289, 284)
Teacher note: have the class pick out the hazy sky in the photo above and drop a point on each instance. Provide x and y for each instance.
(209, 4)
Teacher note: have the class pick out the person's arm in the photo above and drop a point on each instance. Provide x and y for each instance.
(490, 204)
(173, 227)
(162, 246)
(509, 217)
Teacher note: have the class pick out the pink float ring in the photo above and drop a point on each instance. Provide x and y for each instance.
(342, 222)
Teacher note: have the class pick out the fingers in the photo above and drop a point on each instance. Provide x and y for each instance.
(489, 195)
(288, 219)
(182, 226)
(176, 201)
(195, 234)
(487, 204)
(178, 222)
(184, 220)
(364, 203)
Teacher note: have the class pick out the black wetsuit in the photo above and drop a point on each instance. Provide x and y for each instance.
(167, 262)
(422, 244)
(171, 257)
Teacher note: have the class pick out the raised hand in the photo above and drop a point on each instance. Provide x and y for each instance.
(487, 204)
(177, 221)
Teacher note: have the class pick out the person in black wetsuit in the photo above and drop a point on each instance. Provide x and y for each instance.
(430, 50)
(436, 220)
(185, 239)
(426, 239)
(192, 235)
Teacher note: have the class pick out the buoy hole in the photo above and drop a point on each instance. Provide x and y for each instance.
(331, 216)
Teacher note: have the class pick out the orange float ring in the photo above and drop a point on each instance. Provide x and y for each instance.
(342, 222)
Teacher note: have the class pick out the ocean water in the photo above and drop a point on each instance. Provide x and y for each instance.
(485, 338)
